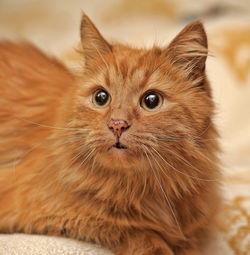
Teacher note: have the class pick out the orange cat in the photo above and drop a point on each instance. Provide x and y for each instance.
(123, 155)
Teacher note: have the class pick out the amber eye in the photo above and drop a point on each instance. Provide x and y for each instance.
(101, 98)
(151, 101)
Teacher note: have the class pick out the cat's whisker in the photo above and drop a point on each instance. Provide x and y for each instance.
(167, 138)
(205, 157)
(87, 148)
(143, 159)
(143, 137)
(155, 136)
(72, 162)
(183, 159)
(69, 141)
(80, 154)
(85, 160)
(77, 156)
(206, 129)
(157, 68)
(93, 163)
(186, 161)
(199, 137)
(163, 191)
(145, 178)
(54, 127)
(180, 157)
(15, 161)
(160, 166)
(178, 171)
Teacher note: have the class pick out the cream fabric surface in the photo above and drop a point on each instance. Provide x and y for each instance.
(54, 26)
(20, 244)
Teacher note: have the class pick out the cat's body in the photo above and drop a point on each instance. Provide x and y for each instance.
(134, 179)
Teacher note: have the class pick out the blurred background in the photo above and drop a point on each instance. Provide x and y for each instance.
(54, 27)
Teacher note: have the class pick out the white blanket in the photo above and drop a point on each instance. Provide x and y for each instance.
(21, 244)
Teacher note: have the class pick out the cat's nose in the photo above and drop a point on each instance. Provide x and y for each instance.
(118, 126)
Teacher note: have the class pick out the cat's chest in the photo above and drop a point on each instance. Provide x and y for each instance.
(99, 215)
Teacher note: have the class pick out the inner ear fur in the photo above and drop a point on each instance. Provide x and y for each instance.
(93, 44)
(189, 49)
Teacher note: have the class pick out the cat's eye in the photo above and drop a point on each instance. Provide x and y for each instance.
(151, 101)
(101, 98)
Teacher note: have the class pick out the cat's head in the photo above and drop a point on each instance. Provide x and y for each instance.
(141, 104)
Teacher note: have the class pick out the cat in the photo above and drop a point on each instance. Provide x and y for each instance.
(124, 155)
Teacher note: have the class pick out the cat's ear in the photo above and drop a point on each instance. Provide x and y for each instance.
(188, 51)
(93, 44)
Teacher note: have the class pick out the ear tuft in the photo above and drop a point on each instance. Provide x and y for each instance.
(93, 44)
(188, 51)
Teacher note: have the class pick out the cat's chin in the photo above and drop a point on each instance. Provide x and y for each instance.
(119, 153)
(116, 157)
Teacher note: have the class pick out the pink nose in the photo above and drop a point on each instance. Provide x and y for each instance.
(118, 126)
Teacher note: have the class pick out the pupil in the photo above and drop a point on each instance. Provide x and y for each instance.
(152, 101)
(101, 97)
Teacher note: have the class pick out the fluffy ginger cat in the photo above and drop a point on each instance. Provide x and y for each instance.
(123, 155)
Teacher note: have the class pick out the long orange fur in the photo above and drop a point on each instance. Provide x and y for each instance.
(57, 173)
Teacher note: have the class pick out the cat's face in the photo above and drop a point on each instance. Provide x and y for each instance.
(138, 104)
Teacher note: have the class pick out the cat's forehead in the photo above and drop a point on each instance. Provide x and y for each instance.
(128, 61)
(130, 68)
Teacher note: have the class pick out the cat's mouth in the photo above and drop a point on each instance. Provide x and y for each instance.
(118, 145)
